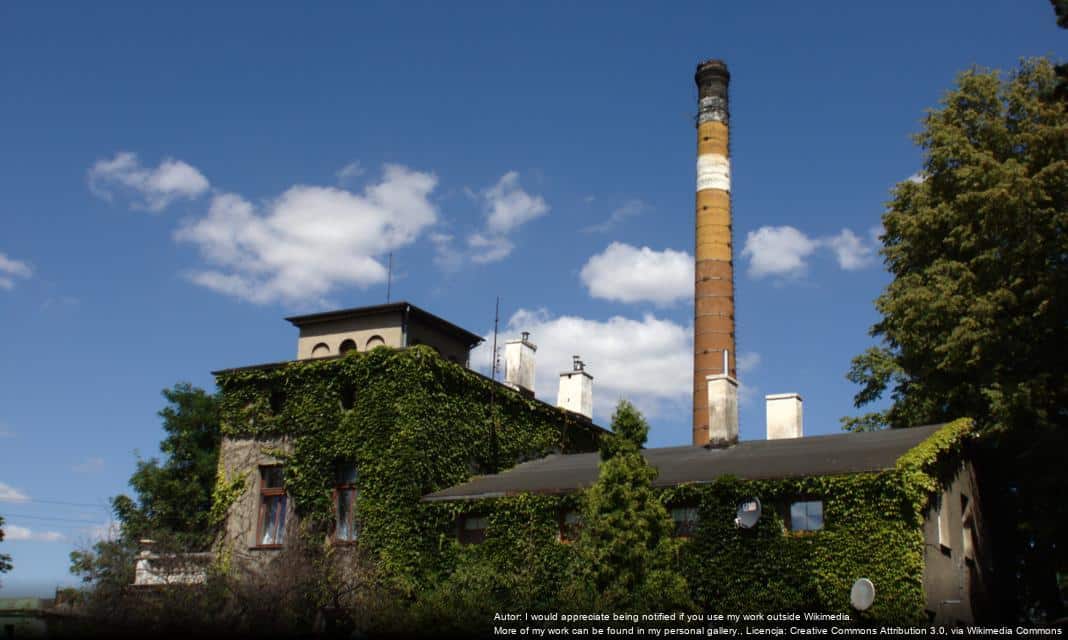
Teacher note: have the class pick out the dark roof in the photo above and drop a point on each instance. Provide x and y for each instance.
(422, 315)
(752, 460)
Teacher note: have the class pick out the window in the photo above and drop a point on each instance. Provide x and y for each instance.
(277, 400)
(966, 521)
(348, 395)
(375, 341)
(320, 350)
(942, 512)
(346, 346)
(685, 518)
(570, 525)
(473, 529)
(346, 526)
(806, 515)
(272, 527)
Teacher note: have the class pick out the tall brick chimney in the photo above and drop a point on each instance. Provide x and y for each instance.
(714, 374)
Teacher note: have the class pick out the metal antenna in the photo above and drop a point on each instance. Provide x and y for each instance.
(493, 390)
(389, 278)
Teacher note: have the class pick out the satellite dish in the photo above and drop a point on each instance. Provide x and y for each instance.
(748, 513)
(862, 594)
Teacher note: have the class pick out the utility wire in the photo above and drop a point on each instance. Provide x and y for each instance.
(59, 502)
(8, 514)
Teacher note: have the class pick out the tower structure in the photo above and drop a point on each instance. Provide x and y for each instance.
(714, 353)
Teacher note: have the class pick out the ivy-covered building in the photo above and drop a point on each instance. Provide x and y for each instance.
(379, 438)
(399, 449)
(378, 410)
(899, 508)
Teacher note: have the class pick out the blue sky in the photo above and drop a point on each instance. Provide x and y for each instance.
(177, 179)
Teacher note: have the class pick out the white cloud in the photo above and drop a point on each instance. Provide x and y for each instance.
(876, 233)
(509, 206)
(89, 465)
(11, 494)
(506, 207)
(628, 209)
(150, 189)
(747, 361)
(647, 361)
(446, 255)
(310, 240)
(6, 432)
(629, 274)
(851, 252)
(777, 251)
(11, 269)
(489, 249)
(15, 532)
(917, 177)
(350, 171)
(784, 251)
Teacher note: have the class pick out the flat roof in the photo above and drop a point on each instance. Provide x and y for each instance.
(827, 455)
(422, 315)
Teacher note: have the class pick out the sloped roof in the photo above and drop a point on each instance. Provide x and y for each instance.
(752, 460)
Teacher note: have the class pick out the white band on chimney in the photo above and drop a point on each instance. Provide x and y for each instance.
(713, 172)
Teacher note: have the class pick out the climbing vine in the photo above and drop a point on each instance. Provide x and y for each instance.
(414, 423)
(410, 421)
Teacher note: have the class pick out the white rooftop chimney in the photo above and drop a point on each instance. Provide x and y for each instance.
(722, 407)
(519, 364)
(784, 416)
(576, 389)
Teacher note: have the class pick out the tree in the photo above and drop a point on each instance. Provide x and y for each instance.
(975, 319)
(626, 551)
(5, 559)
(174, 496)
(1060, 8)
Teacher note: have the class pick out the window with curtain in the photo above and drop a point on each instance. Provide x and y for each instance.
(272, 507)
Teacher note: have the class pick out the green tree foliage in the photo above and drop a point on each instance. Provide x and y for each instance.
(174, 496)
(627, 557)
(1060, 8)
(976, 318)
(5, 559)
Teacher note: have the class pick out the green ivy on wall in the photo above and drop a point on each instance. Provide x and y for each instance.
(872, 529)
(419, 423)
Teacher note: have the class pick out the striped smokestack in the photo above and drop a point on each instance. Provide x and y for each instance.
(714, 274)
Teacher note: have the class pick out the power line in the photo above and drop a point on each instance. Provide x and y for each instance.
(27, 516)
(59, 502)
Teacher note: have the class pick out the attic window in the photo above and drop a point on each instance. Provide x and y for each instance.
(570, 525)
(346, 346)
(685, 518)
(375, 341)
(320, 350)
(473, 529)
(348, 395)
(806, 515)
(277, 401)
